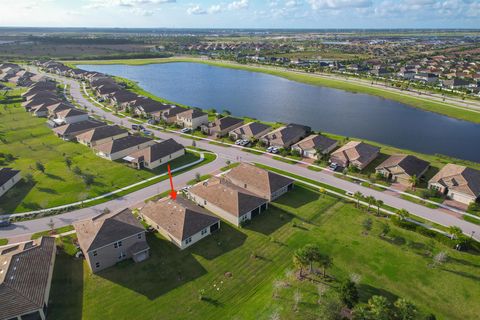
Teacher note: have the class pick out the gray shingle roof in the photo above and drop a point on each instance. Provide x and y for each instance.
(158, 150)
(6, 174)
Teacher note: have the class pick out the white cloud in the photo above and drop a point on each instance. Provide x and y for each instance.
(216, 8)
(237, 5)
(339, 4)
(196, 10)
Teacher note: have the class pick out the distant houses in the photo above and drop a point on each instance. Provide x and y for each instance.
(457, 182)
(110, 238)
(8, 178)
(26, 271)
(402, 168)
(355, 153)
(314, 146)
(180, 221)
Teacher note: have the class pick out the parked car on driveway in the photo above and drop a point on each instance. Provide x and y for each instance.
(147, 132)
(185, 130)
(137, 127)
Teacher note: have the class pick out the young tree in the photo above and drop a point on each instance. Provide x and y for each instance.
(197, 176)
(405, 310)
(40, 167)
(403, 214)
(455, 232)
(325, 262)
(300, 260)
(312, 254)
(68, 162)
(367, 224)
(88, 179)
(371, 201)
(349, 293)
(77, 171)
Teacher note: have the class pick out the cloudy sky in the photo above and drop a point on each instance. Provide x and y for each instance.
(242, 13)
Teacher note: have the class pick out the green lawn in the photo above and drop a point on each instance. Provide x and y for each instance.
(29, 140)
(57, 231)
(415, 101)
(3, 242)
(167, 285)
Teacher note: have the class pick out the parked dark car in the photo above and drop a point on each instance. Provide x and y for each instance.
(5, 223)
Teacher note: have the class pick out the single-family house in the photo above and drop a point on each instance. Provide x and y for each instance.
(285, 137)
(71, 130)
(26, 271)
(456, 83)
(180, 220)
(355, 153)
(227, 200)
(30, 104)
(70, 116)
(110, 238)
(426, 77)
(42, 94)
(8, 178)
(221, 127)
(156, 154)
(122, 99)
(53, 109)
(315, 145)
(146, 107)
(249, 131)
(261, 182)
(457, 182)
(122, 147)
(100, 135)
(169, 115)
(401, 168)
(192, 118)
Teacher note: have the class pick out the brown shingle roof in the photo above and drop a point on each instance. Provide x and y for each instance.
(106, 229)
(226, 122)
(81, 126)
(191, 114)
(459, 178)
(356, 151)
(121, 144)
(227, 196)
(409, 164)
(26, 270)
(70, 113)
(285, 134)
(251, 129)
(316, 141)
(158, 150)
(100, 133)
(180, 218)
(257, 180)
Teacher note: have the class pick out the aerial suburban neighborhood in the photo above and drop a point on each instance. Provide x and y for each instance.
(234, 170)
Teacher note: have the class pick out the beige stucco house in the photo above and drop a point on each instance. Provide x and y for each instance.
(8, 178)
(221, 127)
(101, 135)
(355, 153)
(122, 147)
(180, 221)
(192, 119)
(401, 168)
(285, 137)
(314, 143)
(459, 183)
(26, 272)
(230, 202)
(261, 182)
(252, 130)
(156, 154)
(110, 238)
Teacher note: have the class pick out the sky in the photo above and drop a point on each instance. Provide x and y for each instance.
(381, 14)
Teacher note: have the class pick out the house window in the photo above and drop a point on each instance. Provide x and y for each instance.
(245, 186)
(205, 202)
(122, 255)
(204, 231)
(97, 264)
(139, 236)
(188, 240)
(95, 253)
(117, 244)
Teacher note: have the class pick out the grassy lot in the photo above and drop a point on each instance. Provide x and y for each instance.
(415, 101)
(3, 242)
(56, 231)
(29, 140)
(167, 285)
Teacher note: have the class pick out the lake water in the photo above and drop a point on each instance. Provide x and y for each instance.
(272, 98)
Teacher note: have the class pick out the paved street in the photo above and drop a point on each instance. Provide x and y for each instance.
(234, 154)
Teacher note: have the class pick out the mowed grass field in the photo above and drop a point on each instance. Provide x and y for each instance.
(167, 285)
(29, 140)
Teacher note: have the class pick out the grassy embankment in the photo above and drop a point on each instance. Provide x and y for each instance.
(168, 285)
(415, 101)
(27, 140)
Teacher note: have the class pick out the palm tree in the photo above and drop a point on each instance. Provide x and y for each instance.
(455, 232)
(403, 214)
(379, 204)
(413, 181)
(371, 201)
(358, 195)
